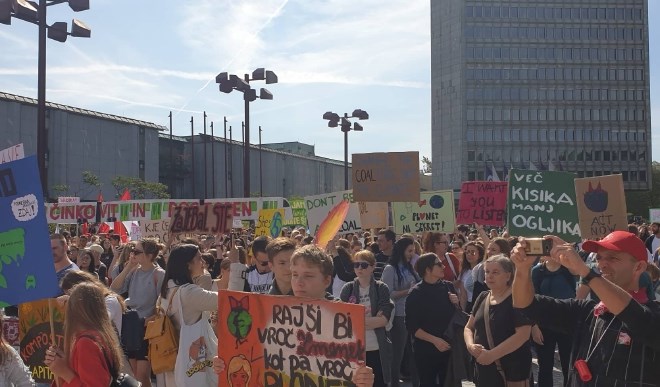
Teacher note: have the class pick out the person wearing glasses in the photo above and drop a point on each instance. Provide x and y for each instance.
(375, 296)
(428, 324)
(473, 255)
(259, 277)
(400, 277)
(438, 243)
(142, 278)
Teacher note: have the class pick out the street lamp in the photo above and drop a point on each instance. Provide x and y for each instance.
(334, 121)
(230, 82)
(35, 13)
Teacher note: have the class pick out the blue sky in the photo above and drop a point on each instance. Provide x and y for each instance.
(146, 58)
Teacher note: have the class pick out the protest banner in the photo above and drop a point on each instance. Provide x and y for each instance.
(386, 177)
(269, 223)
(434, 211)
(160, 229)
(156, 209)
(206, 218)
(542, 203)
(482, 202)
(26, 260)
(237, 223)
(601, 205)
(654, 215)
(35, 335)
(298, 212)
(289, 341)
(13, 153)
(318, 207)
(373, 214)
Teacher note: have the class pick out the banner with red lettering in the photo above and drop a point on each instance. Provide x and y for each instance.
(277, 341)
(482, 202)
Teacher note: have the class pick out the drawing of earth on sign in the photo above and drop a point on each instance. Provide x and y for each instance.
(276, 225)
(595, 199)
(12, 251)
(239, 320)
(436, 201)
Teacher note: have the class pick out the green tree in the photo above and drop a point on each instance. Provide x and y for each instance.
(639, 202)
(139, 189)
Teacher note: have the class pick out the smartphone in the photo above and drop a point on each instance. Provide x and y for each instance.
(538, 246)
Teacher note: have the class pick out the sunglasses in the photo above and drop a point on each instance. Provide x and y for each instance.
(439, 264)
(471, 252)
(361, 265)
(263, 263)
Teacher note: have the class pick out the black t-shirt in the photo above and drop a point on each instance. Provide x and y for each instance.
(503, 322)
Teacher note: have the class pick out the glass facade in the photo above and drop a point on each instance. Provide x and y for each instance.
(542, 85)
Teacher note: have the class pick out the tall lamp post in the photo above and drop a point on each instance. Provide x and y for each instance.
(231, 82)
(35, 13)
(345, 125)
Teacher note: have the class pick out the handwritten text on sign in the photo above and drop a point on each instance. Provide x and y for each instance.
(207, 218)
(601, 205)
(542, 203)
(386, 177)
(319, 206)
(289, 341)
(482, 202)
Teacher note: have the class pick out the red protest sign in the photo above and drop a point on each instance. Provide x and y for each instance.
(482, 202)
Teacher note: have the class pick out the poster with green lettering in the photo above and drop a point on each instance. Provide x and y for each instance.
(542, 203)
(299, 213)
(433, 212)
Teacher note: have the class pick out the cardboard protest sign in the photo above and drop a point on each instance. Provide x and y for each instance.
(161, 229)
(542, 203)
(270, 223)
(207, 218)
(13, 153)
(26, 260)
(299, 213)
(482, 202)
(373, 214)
(156, 209)
(434, 211)
(289, 341)
(601, 205)
(319, 206)
(35, 337)
(386, 177)
(654, 215)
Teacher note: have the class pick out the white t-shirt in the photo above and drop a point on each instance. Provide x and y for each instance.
(259, 283)
(655, 243)
(468, 284)
(114, 311)
(370, 335)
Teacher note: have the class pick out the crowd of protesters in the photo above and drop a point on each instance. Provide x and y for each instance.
(439, 307)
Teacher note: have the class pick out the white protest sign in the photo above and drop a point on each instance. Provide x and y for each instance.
(15, 152)
(319, 206)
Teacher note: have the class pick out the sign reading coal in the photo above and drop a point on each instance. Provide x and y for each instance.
(542, 203)
(386, 177)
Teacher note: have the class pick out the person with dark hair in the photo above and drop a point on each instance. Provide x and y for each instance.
(431, 350)
(438, 243)
(63, 264)
(86, 263)
(342, 266)
(142, 278)
(189, 306)
(652, 242)
(259, 277)
(385, 240)
(279, 252)
(473, 255)
(400, 277)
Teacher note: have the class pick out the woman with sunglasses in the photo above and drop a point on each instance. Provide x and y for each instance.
(400, 277)
(142, 278)
(375, 296)
(473, 255)
(429, 310)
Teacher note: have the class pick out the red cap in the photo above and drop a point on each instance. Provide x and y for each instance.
(619, 241)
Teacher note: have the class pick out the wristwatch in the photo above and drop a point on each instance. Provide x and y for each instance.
(593, 273)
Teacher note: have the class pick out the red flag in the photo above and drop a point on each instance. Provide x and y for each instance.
(85, 229)
(126, 195)
(103, 228)
(120, 229)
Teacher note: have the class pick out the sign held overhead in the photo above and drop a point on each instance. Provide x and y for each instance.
(386, 177)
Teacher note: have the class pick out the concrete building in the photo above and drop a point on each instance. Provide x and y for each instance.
(540, 84)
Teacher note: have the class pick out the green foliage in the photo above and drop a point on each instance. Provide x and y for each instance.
(60, 189)
(139, 189)
(639, 202)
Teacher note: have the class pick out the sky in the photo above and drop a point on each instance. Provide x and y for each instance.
(147, 58)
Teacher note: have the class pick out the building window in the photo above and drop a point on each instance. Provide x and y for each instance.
(471, 155)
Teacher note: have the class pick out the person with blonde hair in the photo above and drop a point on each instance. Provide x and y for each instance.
(239, 371)
(92, 354)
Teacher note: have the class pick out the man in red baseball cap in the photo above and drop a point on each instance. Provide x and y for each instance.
(616, 339)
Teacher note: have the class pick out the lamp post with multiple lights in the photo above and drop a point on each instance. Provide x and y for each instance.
(231, 82)
(334, 121)
(35, 13)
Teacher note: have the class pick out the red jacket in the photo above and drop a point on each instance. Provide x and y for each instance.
(449, 274)
(88, 362)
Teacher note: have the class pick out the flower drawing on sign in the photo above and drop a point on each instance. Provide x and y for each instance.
(596, 199)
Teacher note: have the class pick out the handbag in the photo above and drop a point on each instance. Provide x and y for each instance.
(163, 339)
(489, 337)
(118, 379)
(197, 347)
(132, 330)
(457, 323)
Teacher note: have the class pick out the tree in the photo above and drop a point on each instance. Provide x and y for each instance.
(89, 184)
(639, 202)
(427, 165)
(138, 188)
